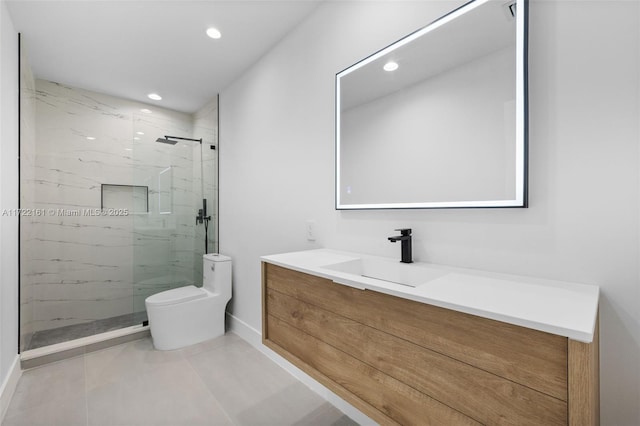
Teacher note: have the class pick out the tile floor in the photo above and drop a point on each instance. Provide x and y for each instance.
(224, 381)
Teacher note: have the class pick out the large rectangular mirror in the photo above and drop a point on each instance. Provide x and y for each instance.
(439, 118)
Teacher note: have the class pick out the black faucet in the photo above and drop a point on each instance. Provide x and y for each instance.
(405, 238)
(202, 213)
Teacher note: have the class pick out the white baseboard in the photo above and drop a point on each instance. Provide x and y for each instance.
(9, 386)
(254, 338)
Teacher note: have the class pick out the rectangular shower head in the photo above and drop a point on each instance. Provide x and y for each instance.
(165, 140)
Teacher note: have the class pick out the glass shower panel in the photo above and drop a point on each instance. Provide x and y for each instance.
(205, 174)
(163, 248)
(169, 239)
(76, 272)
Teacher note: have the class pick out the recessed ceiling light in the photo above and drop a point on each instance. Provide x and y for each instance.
(213, 33)
(91, 138)
(139, 133)
(135, 138)
(390, 66)
(128, 149)
(146, 111)
(154, 96)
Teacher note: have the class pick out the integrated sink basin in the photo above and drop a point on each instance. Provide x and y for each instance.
(556, 307)
(409, 274)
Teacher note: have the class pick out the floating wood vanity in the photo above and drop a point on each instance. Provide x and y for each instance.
(408, 362)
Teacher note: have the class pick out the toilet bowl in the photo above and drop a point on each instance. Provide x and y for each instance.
(188, 315)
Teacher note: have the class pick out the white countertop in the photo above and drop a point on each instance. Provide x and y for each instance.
(557, 307)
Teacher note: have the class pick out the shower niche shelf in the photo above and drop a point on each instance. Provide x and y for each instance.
(133, 198)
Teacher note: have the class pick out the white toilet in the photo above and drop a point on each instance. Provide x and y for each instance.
(187, 315)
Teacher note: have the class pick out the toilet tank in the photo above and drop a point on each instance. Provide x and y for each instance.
(216, 274)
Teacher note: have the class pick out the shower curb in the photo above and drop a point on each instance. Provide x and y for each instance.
(58, 352)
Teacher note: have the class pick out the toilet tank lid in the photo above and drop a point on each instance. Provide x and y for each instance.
(176, 295)
(216, 257)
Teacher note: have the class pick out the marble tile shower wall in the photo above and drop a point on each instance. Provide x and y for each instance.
(78, 267)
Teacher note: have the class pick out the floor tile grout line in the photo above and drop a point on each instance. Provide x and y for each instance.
(225, 413)
(186, 358)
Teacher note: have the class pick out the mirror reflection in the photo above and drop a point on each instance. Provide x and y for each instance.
(438, 118)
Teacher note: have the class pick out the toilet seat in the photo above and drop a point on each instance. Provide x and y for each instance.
(176, 295)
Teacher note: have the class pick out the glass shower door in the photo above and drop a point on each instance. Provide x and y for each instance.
(164, 235)
(175, 160)
(76, 270)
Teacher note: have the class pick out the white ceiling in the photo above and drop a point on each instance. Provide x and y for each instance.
(129, 48)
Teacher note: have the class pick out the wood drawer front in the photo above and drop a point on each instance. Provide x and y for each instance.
(531, 358)
(399, 402)
(483, 396)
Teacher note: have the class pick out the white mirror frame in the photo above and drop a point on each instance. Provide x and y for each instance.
(521, 125)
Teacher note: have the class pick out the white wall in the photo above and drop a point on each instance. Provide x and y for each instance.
(277, 170)
(8, 193)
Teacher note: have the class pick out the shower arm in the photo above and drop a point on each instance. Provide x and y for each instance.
(183, 139)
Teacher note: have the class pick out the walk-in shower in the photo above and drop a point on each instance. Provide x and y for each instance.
(119, 214)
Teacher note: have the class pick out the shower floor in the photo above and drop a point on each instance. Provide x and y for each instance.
(43, 338)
